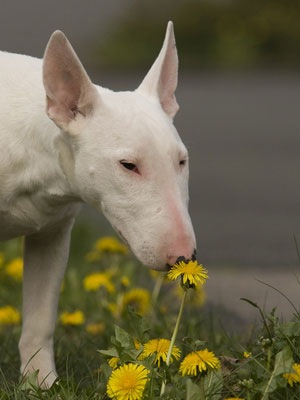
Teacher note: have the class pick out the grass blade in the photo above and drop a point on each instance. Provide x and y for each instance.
(282, 294)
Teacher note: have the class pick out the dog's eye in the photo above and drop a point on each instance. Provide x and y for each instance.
(182, 162)
(130, 166)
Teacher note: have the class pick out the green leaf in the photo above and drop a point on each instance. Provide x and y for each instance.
(193, 391)
(148, 362)
(106, 370)
(283, 364)
(114, 342)
(250, 302)
(291, 329)
(200, 343)
(109, 353)
(123, 337)
(129, 355)
(138, 324)
(213, 383)
(31, 381)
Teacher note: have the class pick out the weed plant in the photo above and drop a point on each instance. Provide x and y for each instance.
(111, 307)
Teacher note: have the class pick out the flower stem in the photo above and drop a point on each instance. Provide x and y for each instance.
(163, 386)
(151, 383)
(269, 358)
(156, 290)
(202, 388)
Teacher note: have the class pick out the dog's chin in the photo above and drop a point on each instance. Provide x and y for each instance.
(161, 268)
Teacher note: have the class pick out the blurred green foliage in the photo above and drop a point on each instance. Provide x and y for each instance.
(209, 34)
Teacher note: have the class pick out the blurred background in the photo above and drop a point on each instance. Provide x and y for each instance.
(239, 96)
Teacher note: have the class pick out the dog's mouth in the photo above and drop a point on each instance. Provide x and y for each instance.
(123, 238)
(167, 266)
(183, 259)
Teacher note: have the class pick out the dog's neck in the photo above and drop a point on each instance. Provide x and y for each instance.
(48, 169)
(65, 171)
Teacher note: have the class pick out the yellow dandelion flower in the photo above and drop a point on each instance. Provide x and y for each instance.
(95, 329)
(92, 256)
(159, 347)
(246, 354)
(94, 281)
(296, 367)
(155, 274)
(233, 398)
(198, 361)
(293, 377)
(195, 297)
(137, 344)
(163, 309)
(127, 382)
(137, 298)
(112, 307)
(125, 281)
(1, 258)
(15, 269)
(191, 272)
(75, 318)
(9, 316)
(110, 245)
(113, 362)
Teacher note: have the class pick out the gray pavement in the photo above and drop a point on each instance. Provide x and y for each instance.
(227, 286)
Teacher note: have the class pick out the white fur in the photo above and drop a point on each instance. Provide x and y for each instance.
(48, 168)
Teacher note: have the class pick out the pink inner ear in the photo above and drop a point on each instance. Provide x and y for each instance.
(167, 87)
(67, 85)
(62, 107)
(63, 88)
(168, 79)
(59, 113)
(161, 80)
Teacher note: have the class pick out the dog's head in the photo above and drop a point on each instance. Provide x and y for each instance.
(127, 158)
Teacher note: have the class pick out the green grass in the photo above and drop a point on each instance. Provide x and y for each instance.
(84, 371)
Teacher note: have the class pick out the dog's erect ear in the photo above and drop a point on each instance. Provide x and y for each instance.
(161, 80)
(68, 88)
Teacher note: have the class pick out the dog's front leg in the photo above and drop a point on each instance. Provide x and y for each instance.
(45, 259)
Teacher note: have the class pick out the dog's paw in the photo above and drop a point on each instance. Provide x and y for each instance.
(34, 378)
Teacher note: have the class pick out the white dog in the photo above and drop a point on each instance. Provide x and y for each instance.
(65, 141)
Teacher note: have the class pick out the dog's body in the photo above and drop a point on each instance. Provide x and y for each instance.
(34, 188)
(118, 152)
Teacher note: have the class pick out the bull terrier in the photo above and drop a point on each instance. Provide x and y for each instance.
(64, 142)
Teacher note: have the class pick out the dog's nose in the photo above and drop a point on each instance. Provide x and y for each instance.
(174, 259)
